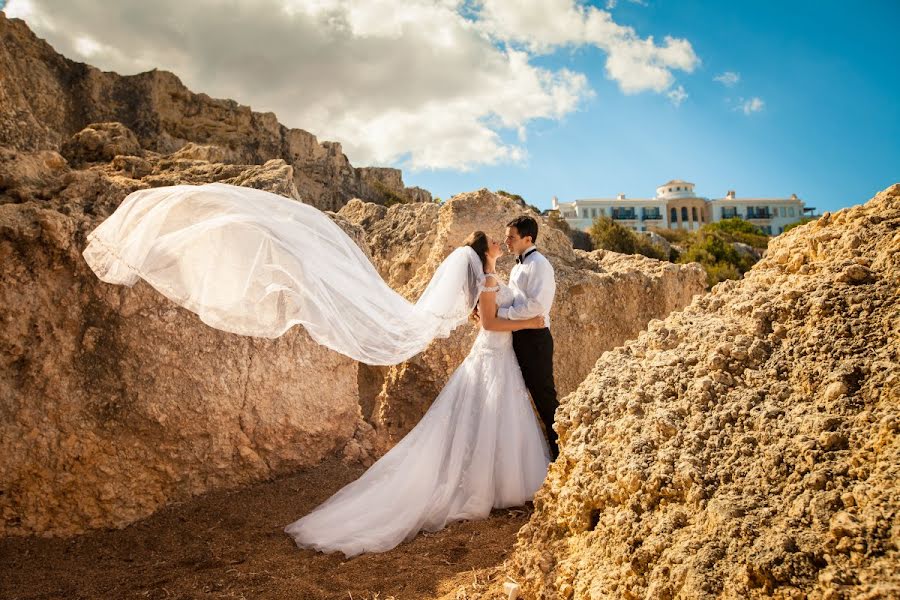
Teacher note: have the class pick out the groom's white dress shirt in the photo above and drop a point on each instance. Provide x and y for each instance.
(533, 285)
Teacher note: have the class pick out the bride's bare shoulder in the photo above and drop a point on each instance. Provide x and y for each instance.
(491, 283)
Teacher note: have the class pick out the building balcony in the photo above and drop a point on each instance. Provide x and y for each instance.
(624, 215)
(759, 214)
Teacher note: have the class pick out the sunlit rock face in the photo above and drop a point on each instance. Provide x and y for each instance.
(745, 447)
(113, 400)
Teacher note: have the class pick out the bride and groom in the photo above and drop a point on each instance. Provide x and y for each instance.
(479, 446)
(254, 263)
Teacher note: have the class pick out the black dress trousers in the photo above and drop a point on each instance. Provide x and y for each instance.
(534, 350)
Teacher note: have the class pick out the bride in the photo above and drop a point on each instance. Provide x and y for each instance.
(478, 447)
(255, 263)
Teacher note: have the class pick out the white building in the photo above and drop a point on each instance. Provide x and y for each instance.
(676, 206)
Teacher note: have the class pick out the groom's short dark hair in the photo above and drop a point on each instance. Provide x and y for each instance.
(525, 226)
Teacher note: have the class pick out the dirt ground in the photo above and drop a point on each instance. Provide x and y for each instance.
(230, 544)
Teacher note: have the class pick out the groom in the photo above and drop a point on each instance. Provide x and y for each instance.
(533, 286)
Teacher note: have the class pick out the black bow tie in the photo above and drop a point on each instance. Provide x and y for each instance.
(521, 258)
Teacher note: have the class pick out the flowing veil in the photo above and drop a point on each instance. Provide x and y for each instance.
(254, 263)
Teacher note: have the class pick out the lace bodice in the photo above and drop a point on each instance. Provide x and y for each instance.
(504, 293)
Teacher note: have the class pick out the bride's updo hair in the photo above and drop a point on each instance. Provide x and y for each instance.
(478, 242)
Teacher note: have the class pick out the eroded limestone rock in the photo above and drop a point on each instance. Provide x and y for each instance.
(114, 401)
(745, 447)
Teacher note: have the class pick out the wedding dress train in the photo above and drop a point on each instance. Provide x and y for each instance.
(479, 446)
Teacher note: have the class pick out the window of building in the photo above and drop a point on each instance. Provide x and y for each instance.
(783, 211)
(694, 214)
(584, 213)
(791, 211)
(673, 216)
(684, 213)
(758, 212)
(594, 212)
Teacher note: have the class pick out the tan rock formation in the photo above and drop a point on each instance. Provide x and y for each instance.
(46, 98)
(602, 298)
(100, 142)
(745, 447)
(108, 388)
(115, 402)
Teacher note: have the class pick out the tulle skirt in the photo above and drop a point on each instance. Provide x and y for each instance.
(479, 446)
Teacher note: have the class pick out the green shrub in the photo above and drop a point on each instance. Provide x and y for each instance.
(720, 271)
(647, 248)
(579, 239)
(609, 235)
(712, 247)
(673, 236)
(737, 229)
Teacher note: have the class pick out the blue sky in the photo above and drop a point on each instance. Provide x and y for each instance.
(829, 128)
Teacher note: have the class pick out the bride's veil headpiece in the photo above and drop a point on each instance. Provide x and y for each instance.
(255, 263)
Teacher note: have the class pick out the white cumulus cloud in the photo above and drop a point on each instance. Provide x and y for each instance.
(419, 83)
(543, 26)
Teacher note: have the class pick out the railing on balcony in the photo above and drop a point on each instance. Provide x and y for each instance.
(756, 213)
(623, 215)
(651, 214)
(729, 213)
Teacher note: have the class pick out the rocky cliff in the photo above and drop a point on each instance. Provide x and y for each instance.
(116, 402)
(745, 447)
(45, 98)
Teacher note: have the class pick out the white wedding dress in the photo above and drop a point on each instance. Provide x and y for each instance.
(478, 447)
(254, 263)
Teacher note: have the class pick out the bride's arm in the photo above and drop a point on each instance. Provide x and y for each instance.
(487, 311)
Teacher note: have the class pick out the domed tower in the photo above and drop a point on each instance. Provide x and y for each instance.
(684, 209)
(676, 188)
